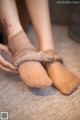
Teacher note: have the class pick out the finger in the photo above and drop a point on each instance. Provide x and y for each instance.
(8, 70)
(4, 48)
(5, 63)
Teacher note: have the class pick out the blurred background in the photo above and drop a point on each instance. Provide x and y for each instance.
(61, 14)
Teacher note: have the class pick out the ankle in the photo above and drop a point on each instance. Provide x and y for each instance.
(46, 47)
(13, 30)
(19, 42)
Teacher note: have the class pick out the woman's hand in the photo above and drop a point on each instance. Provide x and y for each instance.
(5, 65)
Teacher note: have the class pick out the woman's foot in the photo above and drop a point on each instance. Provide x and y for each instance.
(62, 78)
(34, 75)
(31, 72)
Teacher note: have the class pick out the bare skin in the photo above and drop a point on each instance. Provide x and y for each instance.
(36, 77)
(62, 78)
(65, 80)
(5, 65)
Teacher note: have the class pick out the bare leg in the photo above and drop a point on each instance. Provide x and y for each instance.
(62, 78)
(18, 40)
(39, 14)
